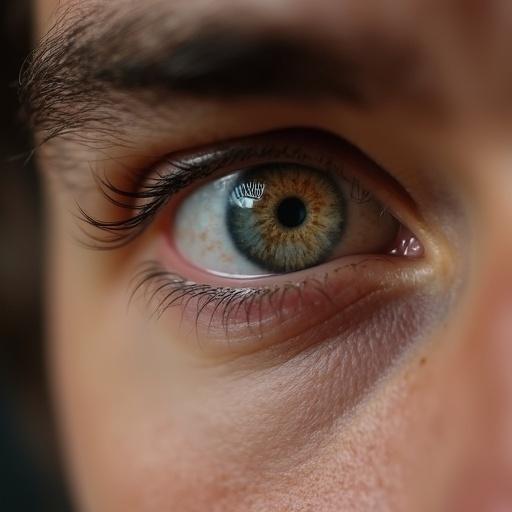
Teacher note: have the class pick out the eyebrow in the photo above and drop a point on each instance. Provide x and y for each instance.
(70, 80)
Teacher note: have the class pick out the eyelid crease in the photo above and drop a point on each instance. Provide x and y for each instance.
(146, 196)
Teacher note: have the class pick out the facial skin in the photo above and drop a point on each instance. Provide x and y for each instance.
(402, 401)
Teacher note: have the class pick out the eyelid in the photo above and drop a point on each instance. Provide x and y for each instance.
(323, 150)
(285, 146)
(244, 314)
(182, 170)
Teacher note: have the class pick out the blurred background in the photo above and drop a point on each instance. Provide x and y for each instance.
(30, 472)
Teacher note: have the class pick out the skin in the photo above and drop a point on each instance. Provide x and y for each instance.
(150, 422)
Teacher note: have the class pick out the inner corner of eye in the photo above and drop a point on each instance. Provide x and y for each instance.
(283, 218)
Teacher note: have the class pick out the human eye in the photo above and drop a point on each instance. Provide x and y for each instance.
(263, 239)
(278, 218)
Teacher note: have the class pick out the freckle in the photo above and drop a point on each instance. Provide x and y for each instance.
(423, 361)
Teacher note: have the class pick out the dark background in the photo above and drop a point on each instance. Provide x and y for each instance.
(30, 473)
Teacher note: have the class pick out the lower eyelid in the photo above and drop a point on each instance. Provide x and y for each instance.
(247, 319)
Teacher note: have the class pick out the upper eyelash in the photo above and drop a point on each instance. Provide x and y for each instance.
(117, 233)
(157, 190)
(149, 198)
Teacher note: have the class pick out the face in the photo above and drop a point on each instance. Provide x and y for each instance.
(279, 252)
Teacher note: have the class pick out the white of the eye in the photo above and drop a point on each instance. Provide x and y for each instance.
(202, 237)
(201, 233)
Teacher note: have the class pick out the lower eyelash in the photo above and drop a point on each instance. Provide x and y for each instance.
(164, 290)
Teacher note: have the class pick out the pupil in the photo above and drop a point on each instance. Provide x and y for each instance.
(291, 212)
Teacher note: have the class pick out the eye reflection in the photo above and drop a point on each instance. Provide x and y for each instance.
(279, 218)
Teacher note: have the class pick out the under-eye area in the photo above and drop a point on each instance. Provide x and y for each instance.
(360, 295)
(259, 240)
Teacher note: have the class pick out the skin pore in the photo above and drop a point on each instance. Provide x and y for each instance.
(395, 394)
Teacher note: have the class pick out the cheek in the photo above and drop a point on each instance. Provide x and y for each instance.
(151, 427)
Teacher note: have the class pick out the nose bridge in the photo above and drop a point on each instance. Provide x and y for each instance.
(487, 341)
(487, 321)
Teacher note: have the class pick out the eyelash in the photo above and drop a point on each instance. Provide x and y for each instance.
(160, 189)
(168, 289)
(163, 290)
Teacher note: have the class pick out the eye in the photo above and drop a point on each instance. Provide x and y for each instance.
(295, 224)
(280, 218)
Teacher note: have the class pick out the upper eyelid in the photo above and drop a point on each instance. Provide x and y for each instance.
(153, 187)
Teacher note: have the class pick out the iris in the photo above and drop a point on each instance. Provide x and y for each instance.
(285, 217)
